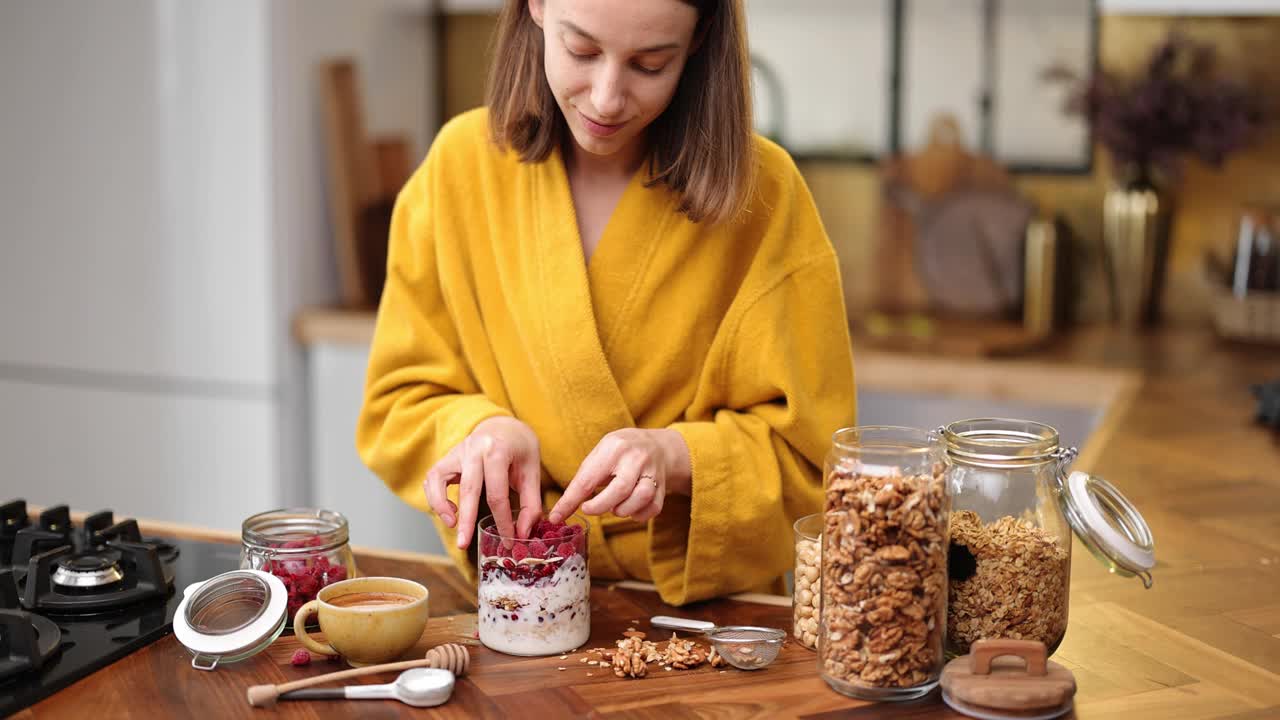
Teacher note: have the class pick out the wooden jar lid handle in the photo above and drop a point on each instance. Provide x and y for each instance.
(1031, 651)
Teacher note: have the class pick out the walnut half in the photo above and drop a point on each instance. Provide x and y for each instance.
(628, 660)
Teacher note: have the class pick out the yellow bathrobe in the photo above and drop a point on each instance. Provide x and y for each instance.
(733, 335)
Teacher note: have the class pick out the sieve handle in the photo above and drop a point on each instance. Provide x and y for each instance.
(675, 623)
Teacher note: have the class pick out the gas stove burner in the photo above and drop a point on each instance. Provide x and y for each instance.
(97, 565)
(51, 634)
(32, 641)
(26, 640)
(88, 571)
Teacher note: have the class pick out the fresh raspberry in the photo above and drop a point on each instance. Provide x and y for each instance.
(540, 529)
(321, 562)
(488, 544)
(336, 573)
(519, 552)
(538, 549)
(300, 657)
(565, 549)
(549, 531)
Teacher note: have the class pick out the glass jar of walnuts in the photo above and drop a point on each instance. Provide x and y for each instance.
(884, 563)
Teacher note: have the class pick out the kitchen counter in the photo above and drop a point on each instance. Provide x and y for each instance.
(1204, 642)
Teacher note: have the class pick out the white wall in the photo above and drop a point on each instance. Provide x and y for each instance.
(378, 518)
(128, 133)
(162, 217)
(136, 368)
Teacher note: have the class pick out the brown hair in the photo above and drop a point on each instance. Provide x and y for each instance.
(701, 146)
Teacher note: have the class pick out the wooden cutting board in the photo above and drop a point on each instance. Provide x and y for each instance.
(564, 687)
(501, 686)
(951, 231)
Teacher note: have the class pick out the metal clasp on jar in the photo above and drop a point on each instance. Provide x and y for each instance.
(258, 556)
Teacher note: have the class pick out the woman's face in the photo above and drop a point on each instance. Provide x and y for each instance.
(613, 65)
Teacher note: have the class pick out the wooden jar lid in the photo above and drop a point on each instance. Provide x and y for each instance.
(987, 683)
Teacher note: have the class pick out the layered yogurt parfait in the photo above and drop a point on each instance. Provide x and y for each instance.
(535, 594)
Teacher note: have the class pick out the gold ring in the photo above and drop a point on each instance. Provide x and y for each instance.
(650, 478)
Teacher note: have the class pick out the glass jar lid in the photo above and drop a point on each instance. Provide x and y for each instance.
(1109, 525)
(230, 617)
(1100, 515)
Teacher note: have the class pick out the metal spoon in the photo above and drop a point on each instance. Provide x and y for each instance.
(420, 687)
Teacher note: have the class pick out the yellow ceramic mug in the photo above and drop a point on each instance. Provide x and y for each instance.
(367, 620)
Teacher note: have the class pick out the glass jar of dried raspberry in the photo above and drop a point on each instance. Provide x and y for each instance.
(884, 563)
(306, 548)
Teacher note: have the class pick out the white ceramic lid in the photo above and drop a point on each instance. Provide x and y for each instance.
(230, 616)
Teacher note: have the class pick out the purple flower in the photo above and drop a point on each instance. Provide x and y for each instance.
(1177, 106)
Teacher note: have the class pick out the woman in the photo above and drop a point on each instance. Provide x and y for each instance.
(605, 294)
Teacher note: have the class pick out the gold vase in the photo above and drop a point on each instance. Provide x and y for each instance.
(1136, 229)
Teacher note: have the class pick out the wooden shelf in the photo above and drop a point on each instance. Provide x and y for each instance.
(317, 326)
(1191, 7)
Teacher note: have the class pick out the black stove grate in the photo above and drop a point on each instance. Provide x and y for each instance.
(92, 638)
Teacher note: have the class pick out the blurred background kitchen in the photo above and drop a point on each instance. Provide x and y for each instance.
(194, 197)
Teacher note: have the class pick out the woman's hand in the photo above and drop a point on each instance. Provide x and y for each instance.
(501, 453)
(637, 468)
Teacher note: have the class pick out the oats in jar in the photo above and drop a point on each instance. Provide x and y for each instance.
(1008, 579)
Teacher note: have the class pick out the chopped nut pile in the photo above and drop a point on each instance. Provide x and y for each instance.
(806, 599)
(1018, 588)
(633, 654)
(883, 579)
(684, 654)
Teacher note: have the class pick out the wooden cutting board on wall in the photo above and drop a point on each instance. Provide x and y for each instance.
(947, 253)
(364, 176)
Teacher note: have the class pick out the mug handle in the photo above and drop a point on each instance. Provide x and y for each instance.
(300, 630)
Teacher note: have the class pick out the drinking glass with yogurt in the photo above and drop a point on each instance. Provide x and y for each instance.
(534, 593)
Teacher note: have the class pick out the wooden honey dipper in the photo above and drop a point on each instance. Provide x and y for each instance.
(450, 656)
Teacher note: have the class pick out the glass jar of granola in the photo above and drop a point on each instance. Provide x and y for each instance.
(1014, 510)
(884, 562)
(806, 594)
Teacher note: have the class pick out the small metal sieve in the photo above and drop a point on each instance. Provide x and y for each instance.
(743, 646)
